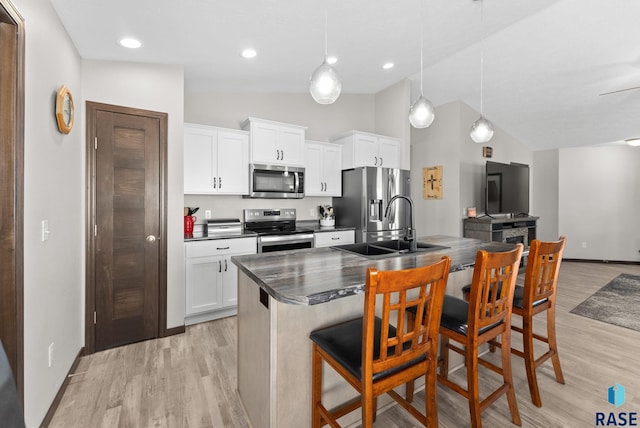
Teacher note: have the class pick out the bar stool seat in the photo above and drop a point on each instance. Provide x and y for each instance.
(344, 343)
(455, 316)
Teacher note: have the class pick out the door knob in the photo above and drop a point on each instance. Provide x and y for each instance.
(151, 238)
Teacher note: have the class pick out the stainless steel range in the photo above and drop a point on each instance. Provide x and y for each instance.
(276, 229)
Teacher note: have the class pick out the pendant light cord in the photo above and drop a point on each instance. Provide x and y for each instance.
(481, 55)
(326, 7)
(421, 46)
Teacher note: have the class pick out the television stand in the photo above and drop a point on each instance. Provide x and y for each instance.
(503, 229)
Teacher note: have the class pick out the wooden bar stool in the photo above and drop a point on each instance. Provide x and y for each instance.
(538, 295)
(484, 318)
(373, 355)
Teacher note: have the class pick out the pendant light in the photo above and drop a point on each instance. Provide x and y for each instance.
(482, 129)
(421, 113)
(325, 84)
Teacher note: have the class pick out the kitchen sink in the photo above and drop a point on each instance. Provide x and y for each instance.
(382, 249)
(367, 250)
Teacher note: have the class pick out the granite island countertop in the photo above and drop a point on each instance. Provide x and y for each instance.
(319, 275)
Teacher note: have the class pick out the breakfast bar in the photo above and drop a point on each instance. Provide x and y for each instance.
(284, 296)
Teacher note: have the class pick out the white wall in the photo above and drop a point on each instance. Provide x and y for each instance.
(157, 88)
(229, 110)
(599, 202)
(446, 142)
(544, 178)
(53, 189)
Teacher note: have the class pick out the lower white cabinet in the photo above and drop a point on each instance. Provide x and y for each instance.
(337, 237)
(211, 280)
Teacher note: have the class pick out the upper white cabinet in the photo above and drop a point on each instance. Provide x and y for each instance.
(323, 169)
(216, 160)
(365, 149)
(275, 143)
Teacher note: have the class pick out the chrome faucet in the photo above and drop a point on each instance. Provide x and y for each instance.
(411, 231)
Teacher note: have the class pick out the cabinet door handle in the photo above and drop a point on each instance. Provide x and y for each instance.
(281, 154)
(376, 160)
(222, 248)
(381, 161)
(219, 182)
(335, 239)
(214, 182)
(225, 265)
(219, 265)
(277, 154)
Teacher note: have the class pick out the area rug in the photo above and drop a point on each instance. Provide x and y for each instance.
(616, 303)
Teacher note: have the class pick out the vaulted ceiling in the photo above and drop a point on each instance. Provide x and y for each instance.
(545, 61)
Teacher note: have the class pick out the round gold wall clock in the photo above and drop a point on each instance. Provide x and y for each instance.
(64, 110)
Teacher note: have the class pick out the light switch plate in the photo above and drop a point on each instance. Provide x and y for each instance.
(207, 214)
(45, 230)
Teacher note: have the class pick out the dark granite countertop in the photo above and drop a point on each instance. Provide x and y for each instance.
(318, 275)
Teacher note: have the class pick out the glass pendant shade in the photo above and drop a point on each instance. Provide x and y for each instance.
(481, 130)
(325, 84)
(421, 113)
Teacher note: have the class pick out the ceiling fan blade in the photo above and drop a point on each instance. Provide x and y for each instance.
(619, 90)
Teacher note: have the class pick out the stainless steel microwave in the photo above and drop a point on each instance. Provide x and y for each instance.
(276, 181)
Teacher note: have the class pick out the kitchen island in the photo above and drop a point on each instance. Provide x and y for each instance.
(283, 296)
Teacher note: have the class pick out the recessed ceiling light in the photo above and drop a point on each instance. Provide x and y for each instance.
(332, 60)
(131, 43)
(635, 142)
(249, 53)
(388, 65)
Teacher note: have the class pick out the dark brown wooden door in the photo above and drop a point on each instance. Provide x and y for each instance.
(12, 188)
(127, 228)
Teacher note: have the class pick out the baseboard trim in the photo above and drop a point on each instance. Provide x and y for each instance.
(174, 330)
(58, 398)
(620, 262)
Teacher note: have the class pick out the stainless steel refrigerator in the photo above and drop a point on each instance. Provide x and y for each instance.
(365, 195)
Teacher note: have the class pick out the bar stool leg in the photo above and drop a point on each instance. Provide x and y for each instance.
(551, 334)
(507, 375)
(316, 388)
(443, 361)
(472, 386)
(530, 360)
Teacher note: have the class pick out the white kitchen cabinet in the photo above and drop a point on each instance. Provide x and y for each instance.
(211, 279)
(275, 143)
(366, 149)
(336, 237)
(323, 169)
(216, 160)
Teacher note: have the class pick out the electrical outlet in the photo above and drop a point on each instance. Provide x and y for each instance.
(51, 347)
(584, 245)
(312, 212)
(207, 214)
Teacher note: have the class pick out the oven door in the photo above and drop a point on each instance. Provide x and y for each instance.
(276, 181)
(270, 243)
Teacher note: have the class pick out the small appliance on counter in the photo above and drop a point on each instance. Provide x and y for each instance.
(327, 218)
(223, 226)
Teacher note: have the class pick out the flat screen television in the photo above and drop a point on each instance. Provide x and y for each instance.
(507, 188)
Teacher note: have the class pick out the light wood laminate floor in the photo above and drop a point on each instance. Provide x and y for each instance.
(189, 380)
